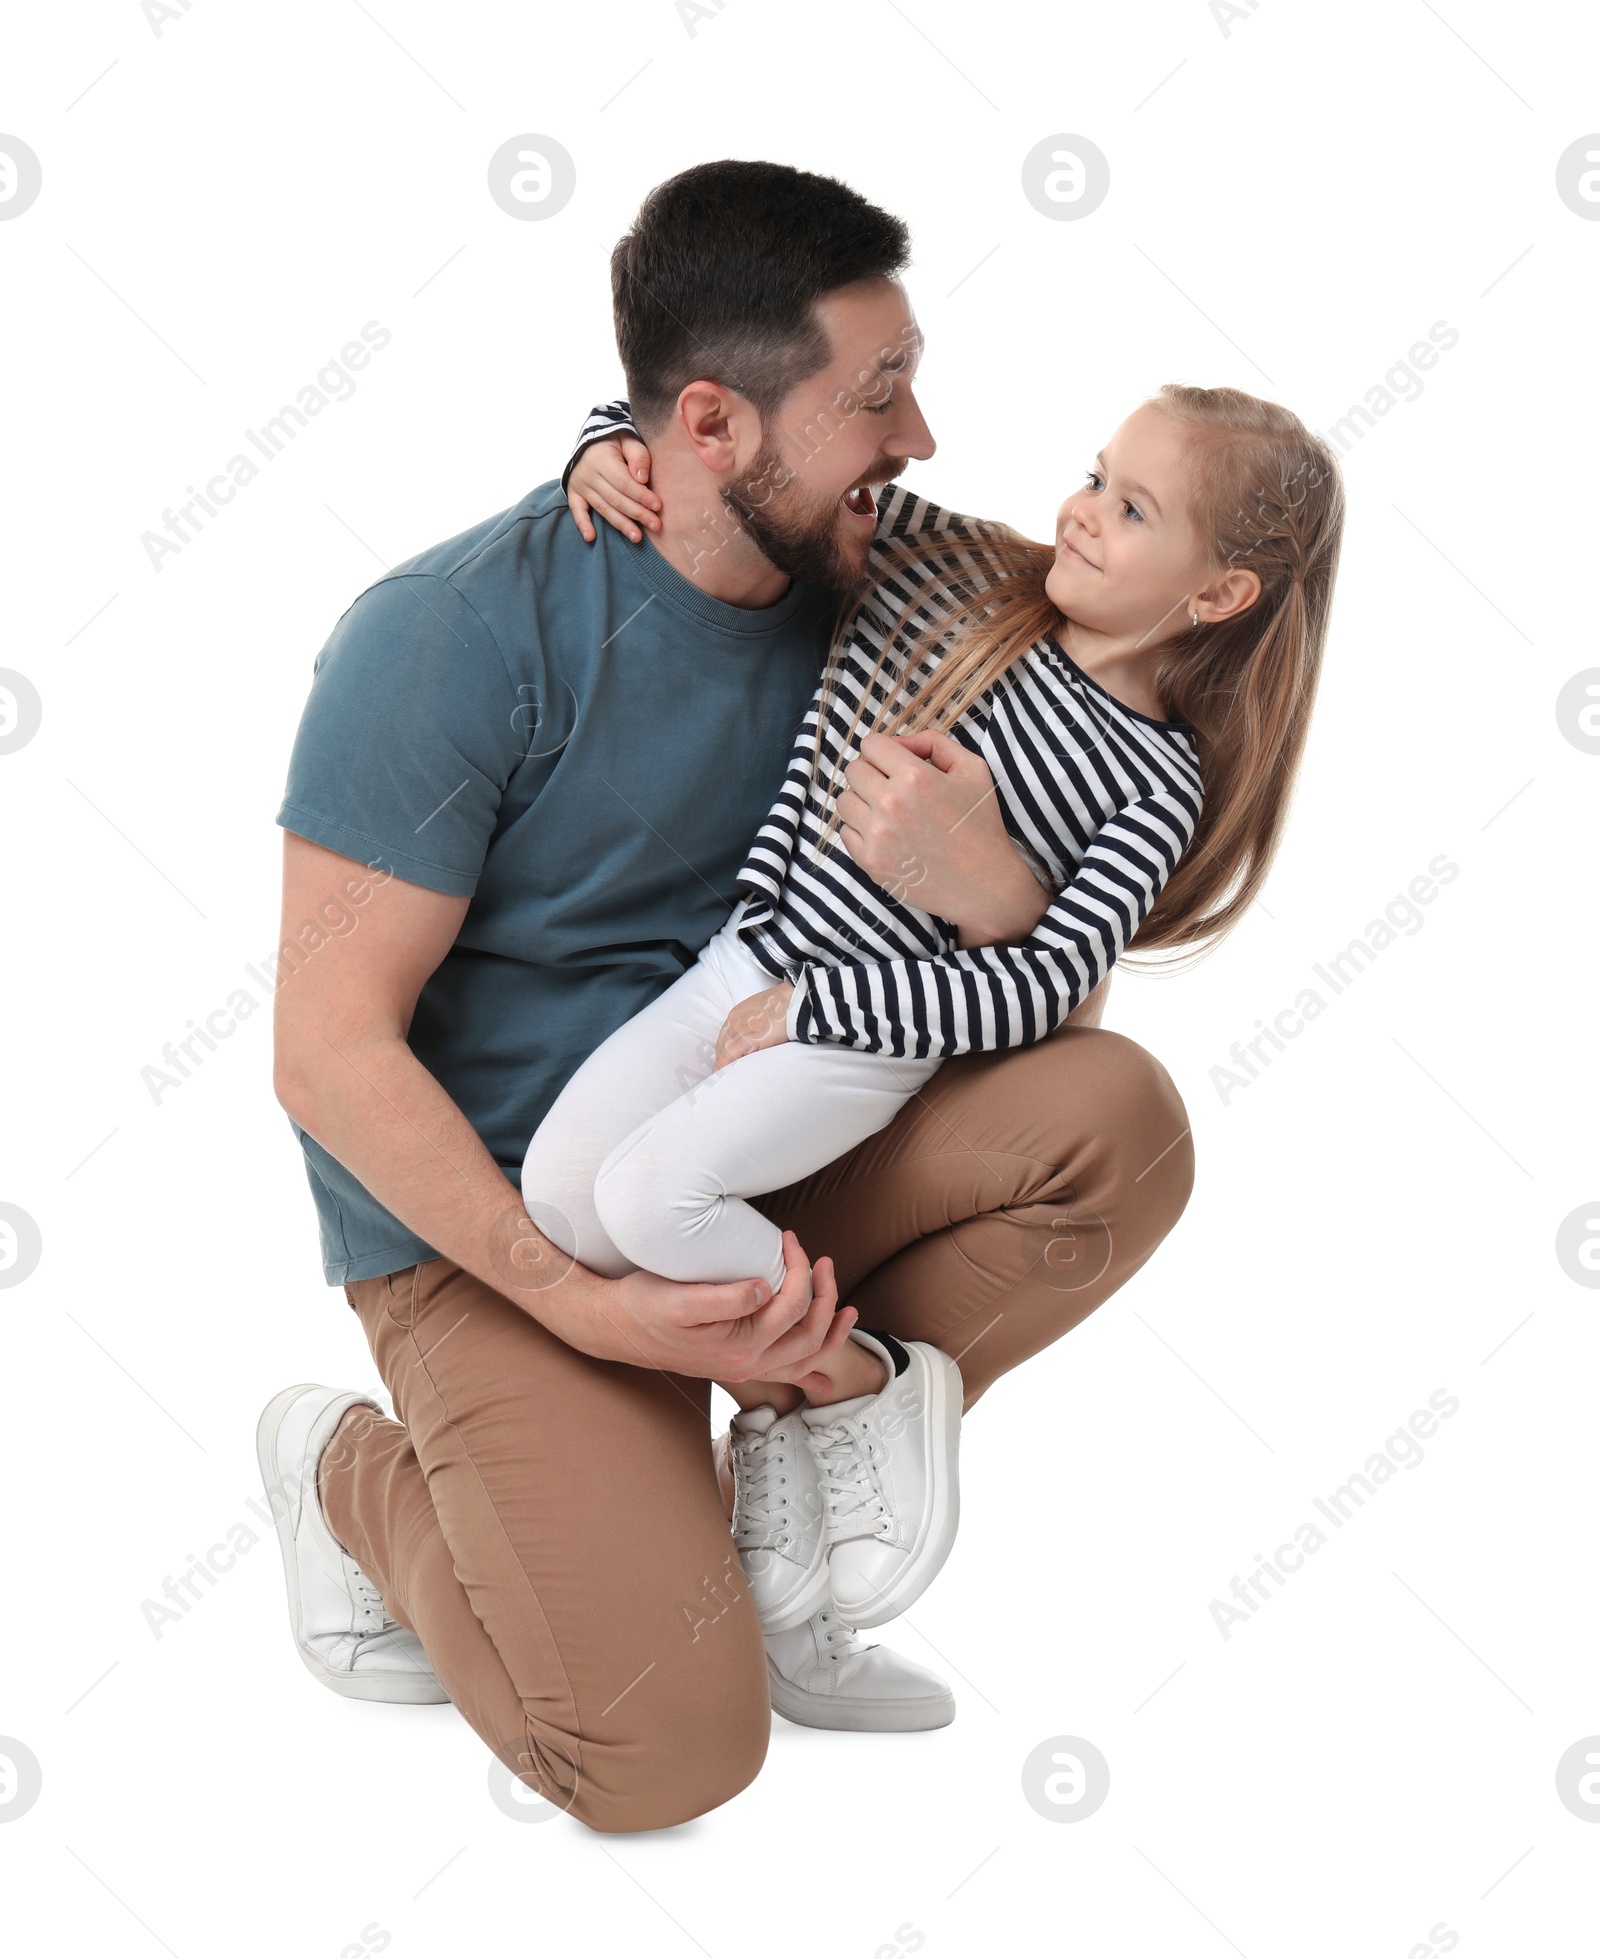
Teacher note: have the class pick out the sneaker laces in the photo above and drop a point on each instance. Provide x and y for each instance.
(839, 1639)
(761, 1486)
(849, 1457)
(371, 1602)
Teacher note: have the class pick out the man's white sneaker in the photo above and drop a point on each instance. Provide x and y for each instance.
(777, 1516)
(887, 1462)
(341, 1630)
(824, 1676)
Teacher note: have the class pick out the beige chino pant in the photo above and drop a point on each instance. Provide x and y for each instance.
(550, 1526)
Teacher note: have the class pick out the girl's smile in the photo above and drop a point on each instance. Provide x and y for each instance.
(1072, 550)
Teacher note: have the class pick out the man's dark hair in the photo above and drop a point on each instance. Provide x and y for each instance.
(720, 274)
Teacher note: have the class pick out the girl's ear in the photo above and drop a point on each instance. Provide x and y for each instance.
(1226, 597)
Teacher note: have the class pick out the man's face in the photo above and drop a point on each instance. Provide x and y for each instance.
(807, 499)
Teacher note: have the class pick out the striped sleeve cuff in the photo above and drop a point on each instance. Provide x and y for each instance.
(803, 1022)
(608, 418)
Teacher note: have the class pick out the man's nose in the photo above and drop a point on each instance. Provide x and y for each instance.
(912, 437)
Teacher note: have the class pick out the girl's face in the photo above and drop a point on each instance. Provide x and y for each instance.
(1128, 560)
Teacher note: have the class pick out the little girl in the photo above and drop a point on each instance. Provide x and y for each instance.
(1171, 639)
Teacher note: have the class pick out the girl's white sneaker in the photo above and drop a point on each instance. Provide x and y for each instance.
(823, 1675)
(888, 1469)
(777, 1517)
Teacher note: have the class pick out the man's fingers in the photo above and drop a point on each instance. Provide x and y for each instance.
(784, 1319)
(885, 754)
(796, 1367)
(739, 1299)
(934, 746)
(776, 1334)
(815, 1378)
(793, 1346)
(864, 774)
(839, 1332)
(854, 811)
(802, 1340)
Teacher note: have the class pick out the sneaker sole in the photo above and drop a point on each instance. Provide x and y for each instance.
(941, 1465)
(814, 1594)
(412, 1689)
(858, 1716)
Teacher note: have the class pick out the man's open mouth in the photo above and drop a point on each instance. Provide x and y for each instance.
(860, 503)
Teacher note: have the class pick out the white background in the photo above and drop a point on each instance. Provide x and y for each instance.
(1293, 203)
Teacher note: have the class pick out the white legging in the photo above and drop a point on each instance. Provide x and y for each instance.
(647, 1155)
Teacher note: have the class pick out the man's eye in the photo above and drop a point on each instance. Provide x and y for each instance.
(881, 407)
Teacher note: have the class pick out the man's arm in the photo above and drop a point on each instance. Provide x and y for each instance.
(980, 998)
(344, 1072)
(920, 816)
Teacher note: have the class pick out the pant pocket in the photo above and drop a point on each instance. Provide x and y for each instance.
(401, 1290)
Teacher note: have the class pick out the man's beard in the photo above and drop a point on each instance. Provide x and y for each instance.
(798, 534)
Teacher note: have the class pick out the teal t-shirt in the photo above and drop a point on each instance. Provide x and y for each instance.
(575, 737)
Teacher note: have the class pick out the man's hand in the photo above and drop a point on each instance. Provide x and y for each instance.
(759, 1022)
(725, 1332)
(920, 816)
(344, 1070)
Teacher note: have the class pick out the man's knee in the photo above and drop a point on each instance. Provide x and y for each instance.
(1138, 1126)
(673, 1771)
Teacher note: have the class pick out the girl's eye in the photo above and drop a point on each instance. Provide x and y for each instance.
(1094, 479)
(1132, 511)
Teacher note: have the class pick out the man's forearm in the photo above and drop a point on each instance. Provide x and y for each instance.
(1004, 908)
(1006, 912)
(391, 1124)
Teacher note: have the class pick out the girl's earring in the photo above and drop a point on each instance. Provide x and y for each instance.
(1194, 618)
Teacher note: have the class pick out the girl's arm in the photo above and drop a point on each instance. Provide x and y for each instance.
(1004, 996)
(609, 472)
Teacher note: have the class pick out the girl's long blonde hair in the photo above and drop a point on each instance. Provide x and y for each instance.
(1265, 493)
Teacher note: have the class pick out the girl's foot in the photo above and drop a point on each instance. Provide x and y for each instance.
(887, 1464)
(823, 1675)
(778, 1517)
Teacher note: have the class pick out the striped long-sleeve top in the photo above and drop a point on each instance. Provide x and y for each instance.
(1103, 798)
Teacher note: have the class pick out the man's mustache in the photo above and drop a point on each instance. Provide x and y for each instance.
(886, 473)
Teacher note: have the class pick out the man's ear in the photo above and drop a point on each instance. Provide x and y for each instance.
(1227, 596)
(721, 427)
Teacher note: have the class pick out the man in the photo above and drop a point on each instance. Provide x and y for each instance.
(528, 771)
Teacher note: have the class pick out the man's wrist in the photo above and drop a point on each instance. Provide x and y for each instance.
(578, 1311)
(550, 1286)
(1006, 911)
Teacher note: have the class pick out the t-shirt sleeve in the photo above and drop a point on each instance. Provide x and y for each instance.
(410, 734)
